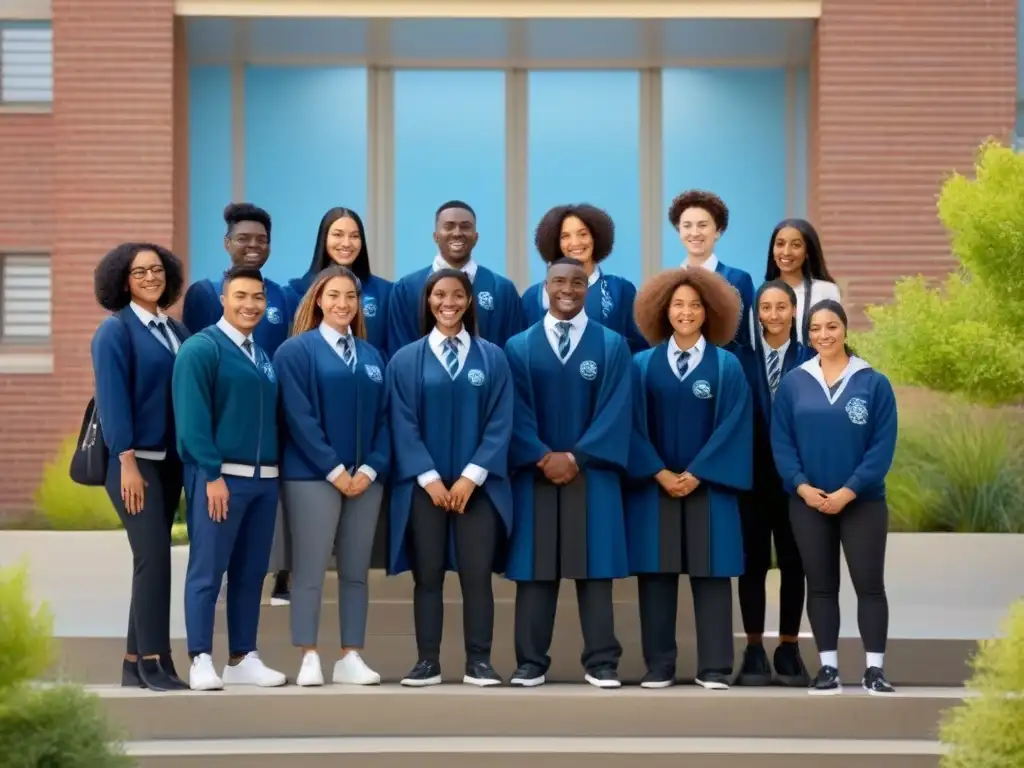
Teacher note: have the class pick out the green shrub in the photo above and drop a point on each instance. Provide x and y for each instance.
(67, 506)
(985, 730)
(26, 647)
(957, 472)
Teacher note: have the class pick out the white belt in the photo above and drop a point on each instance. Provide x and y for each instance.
(247, 470)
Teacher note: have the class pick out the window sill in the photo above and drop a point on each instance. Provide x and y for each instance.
(30, 361)
(26, 109)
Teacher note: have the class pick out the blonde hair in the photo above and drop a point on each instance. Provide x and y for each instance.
(309, 315)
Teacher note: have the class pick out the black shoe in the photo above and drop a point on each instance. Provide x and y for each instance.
(754, 670)
(826, 682)
(281, 595)
(168, 664)
(481, 673)
(874, 681)
(153, 677)
(423, 674)
(713, 679)
(658, 679)
(130, 674)
(789, 666)
(528, 676)
(605, 677)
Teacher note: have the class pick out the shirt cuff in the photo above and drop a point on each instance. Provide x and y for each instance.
(335, 473)
(369, 471)
(475, 474)
(427, 478)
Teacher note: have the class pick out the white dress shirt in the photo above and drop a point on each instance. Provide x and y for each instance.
(545, 300)
(238, 338)
(436, 341)
(469, 267)
(577, 326)
(146, 317)
(695, 358)
(332, 337)
(820, 290)
(710, 263)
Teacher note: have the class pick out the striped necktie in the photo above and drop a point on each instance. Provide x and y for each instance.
(774, 371)
(682, 361)
(563, 338)
(451, 355)
(247, 348)
(162, 333)
(347, 353)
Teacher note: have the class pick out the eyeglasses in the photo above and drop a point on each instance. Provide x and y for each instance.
(139, 273)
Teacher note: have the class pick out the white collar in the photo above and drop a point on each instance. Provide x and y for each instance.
(697, 348)
(146, 316)
(469, 267)
(579, 322)
(781, 350)
(711, 263)
(331, 336)
(436, 338)
(813, 367)
(233, 333)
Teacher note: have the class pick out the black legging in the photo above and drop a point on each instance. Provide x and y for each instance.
(862, 528)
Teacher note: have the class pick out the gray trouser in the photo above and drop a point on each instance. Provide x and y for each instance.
(320, 519)
(281, 553)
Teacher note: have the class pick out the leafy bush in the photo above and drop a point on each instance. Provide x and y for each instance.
(67, 506)
(57, 726)
(958, 471)
(985, 730)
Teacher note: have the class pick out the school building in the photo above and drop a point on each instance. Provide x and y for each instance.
(141, 119)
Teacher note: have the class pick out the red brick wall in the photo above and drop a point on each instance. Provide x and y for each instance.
(100, 171)
(906, 91)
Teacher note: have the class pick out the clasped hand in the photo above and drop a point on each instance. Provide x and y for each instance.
(352, 486)
(826, 503)
(454, 500)
(559, 468)
(677, 485)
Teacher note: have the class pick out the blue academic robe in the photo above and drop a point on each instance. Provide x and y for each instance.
(331, 415)
(609, 301)
(442, 424)
(580, 406)
(202, 309)
(376, 293)
(702, 425)
(499, 313)
(845, 437)
(744, 286)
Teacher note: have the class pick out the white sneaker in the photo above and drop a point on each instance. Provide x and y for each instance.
(202, 676)
(310, 673)
(350, 669)
(252, 671)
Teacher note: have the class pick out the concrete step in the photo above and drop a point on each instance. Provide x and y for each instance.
(446, 752)
(581, 711)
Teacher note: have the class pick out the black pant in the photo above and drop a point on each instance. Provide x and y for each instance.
(149, 535)
(536, 604)
(861, 528)
(476, 534)
(712, 611)
(765, 515)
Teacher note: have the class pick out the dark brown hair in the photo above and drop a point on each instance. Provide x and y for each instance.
(697, 198)
(548, 236)
(721, 302)
(427, 319)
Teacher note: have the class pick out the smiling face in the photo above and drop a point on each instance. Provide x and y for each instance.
(339, 301)
(566, 285)
(776, 311)
(827, 333)
(789, 251)
(455, 234)
(448, 303)
(576, 240)
(248, 244)
(147, 279)
(686, 311)
(698, 233)
(244, 303)
(344, 241)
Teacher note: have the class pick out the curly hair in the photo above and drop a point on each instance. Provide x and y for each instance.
(110, 279)
(548, 236)
(309, 315)
(236, 213)
(427, 319)
(722, 305)
(697, 198)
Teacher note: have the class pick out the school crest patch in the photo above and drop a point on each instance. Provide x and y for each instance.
(857, 410)
(268, 370)
(485, 300)
(476, 377)
(369, 306)
(588, 370)
(373, 373)
(702, 390)
(274, 316)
